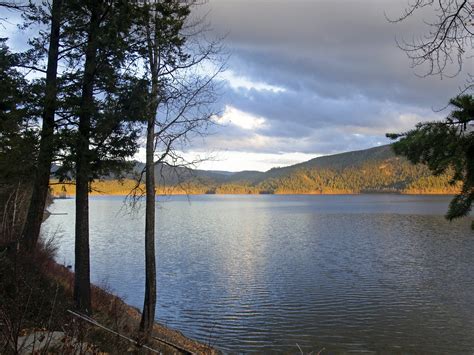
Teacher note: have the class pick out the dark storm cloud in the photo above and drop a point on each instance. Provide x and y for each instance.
(337, 48)
(346, 82)
(339, 80)
(304, 109)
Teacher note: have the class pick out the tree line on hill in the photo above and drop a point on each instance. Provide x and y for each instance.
(377, 171)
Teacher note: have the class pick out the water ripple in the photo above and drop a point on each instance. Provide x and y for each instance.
(263, 273)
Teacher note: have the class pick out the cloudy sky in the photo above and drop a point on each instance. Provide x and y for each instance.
(308, 78)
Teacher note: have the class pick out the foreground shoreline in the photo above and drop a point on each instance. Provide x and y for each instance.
(105, 304)
(38, 313)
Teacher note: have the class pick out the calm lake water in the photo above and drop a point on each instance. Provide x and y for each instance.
(381, 273)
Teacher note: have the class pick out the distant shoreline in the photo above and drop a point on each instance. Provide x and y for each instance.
(124, 188)
(95, 194)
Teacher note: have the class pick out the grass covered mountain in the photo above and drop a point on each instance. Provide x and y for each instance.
(374, 170)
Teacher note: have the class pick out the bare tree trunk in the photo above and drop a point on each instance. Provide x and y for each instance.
(165, 57)
(149, 304)
(37, 205)
(82, 289)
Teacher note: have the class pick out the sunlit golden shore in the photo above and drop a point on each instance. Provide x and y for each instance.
(124, 188)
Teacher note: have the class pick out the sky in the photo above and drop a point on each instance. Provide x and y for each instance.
(310, 78)
(307, 78)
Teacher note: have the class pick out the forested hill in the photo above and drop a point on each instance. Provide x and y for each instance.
(375, 170)
(371, 170)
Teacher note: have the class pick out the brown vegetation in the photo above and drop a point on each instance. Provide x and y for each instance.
(37, 294)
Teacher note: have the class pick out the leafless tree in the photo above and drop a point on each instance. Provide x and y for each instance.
(181, 68)
(449, 39)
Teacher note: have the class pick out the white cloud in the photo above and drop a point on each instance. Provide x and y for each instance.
(239, 161)
(240, 119)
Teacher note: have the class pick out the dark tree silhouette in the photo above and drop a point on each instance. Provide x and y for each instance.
(18, 142)
(446, 146)
(97, 110)
(37, 204)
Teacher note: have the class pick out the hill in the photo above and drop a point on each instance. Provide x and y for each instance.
(374, 170)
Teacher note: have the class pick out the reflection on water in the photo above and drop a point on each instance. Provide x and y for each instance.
(255, 273)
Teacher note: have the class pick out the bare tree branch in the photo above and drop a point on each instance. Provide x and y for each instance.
(448, 42)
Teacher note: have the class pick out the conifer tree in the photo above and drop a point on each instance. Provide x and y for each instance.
(446, 146)
(18, 143)
(17, 124)
(45, 157)
(99, 105)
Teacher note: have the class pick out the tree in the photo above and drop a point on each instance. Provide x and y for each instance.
(47, 140)
(104, 57)
(448, 40)
(15, 121)
(179, 100)
(18, 142)
(98, 107)
(446, 146)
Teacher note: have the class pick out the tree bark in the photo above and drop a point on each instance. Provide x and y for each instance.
(31, 230)
(82, 289)
(149, 304)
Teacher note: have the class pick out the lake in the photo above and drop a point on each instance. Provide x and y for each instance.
(381, 273)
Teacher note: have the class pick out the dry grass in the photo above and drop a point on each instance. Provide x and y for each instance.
(37, 294)
(114, 313)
